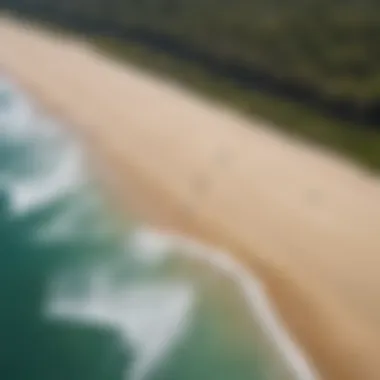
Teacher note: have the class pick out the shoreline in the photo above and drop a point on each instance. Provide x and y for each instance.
(282, 348)
(168, 206)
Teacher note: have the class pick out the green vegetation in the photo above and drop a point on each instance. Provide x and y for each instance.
(362, 144)
(312, 66)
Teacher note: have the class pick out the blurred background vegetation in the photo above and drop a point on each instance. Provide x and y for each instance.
(310, 65)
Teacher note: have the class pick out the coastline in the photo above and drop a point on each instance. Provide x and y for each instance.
(211, 282)
(168, 205)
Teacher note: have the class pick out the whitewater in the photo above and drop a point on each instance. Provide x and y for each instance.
(181, 309)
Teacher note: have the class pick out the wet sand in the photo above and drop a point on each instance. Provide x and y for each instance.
(305, 220)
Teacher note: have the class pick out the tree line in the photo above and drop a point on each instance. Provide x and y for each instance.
(322, 52)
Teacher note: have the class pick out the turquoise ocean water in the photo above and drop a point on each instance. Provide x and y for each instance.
(87, 296)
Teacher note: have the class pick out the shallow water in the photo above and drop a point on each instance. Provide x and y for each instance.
(85, 295)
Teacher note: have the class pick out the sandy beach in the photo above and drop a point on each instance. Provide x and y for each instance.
(305, 220)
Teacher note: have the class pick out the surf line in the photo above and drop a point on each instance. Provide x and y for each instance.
(253, 291)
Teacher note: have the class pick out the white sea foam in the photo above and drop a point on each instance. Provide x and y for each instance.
(20, 124)
(252, 289)
(151, 248)
(27, 195)
(16, 117)
(151, 317)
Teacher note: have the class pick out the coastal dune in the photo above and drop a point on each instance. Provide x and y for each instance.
(305, 220)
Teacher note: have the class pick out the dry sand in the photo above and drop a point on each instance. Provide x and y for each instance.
(305, 220)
